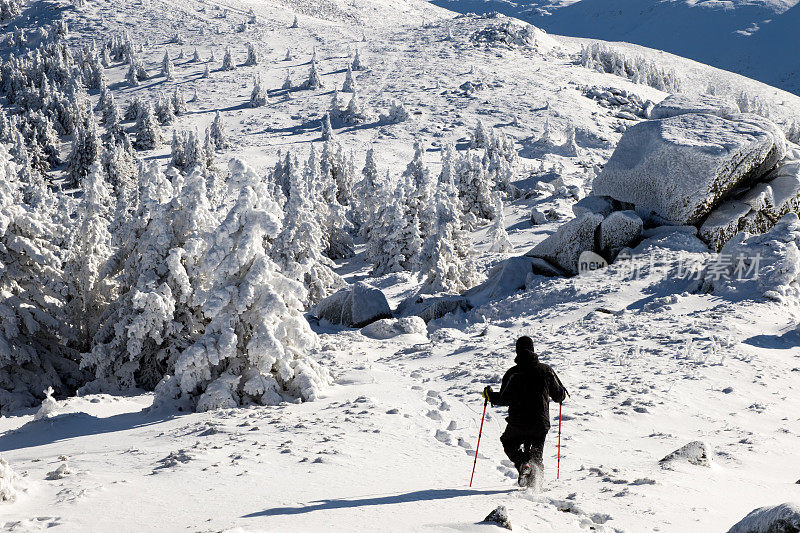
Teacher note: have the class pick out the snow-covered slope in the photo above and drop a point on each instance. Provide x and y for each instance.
(756, 39)
(651, 363)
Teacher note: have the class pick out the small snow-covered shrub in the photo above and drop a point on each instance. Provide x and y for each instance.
(49, 406)
(10, 482)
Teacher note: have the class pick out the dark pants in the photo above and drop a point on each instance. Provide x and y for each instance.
(523, 445)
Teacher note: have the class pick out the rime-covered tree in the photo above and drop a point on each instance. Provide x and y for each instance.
(497, 229)
(479, 137)
(167, 67)
(148, 132)
(447, 257)
(365, 194)
(259, 96)
(349, 84)
(227, 60)
(252, 56)
(217, 133)
(356, 64)
(86, 149)
(314, 81)
(178, 103)
(393, 244)
(254, 348)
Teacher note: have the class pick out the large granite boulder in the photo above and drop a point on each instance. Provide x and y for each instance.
(618, 230)
(783, 518)
(503, 280)
(682, 104)
(680, 168)
(755, 210)
(354, 306)
(564, 247)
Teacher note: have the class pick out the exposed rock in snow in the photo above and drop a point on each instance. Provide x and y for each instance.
(695, 453)
(680, 168)
(59, 473)
(433, 308)
(512, 34)
(755, 210)
(676, 240)
(619, 230)
(503, 280)
(755, 266)
(538, 218)
(10, 482)
(682, 104)
(783, 518)
(392, 327)
(564, 247)
(601, 205)
(500, 517)
(354, 307)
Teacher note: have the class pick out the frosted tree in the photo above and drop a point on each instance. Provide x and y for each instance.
(288, 56)
(90, 248)
(355, 113)
(397, 113)
(206, 72)
(420, 191)
(167, 68)
(447, 255)
(154, 318)
(295, 23)
(394, 242)
(474, 189)
(34, 330)
(85, 150)
(252, 56)
(314, 81)
(217, 132)
(254, 348)
(227, 60)
(178, 103)
(326, 127)
(163, 110)
(365, 194)
(497, 229)
(356, 63)
(349, 84)
(298, 247)
(287, 82)
(131, 76)
(259, 96)
(148, 134)
(196, 56)
(479, 137)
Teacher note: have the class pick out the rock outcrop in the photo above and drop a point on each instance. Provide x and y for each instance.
(354, 306)
(683, 104)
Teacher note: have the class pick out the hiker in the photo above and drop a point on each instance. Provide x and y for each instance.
(526, 389)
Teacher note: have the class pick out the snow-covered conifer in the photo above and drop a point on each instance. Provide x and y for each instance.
(85, 150)
(313, 81)
(327, 128)
(295, 23)
(196, 56)
(178, 103)
(252, 56)
(217, 133)
(497, 229)
(259, 96)
(356, 64)
(479, 137)
(349, 84)
(227, 60)
(287, 82)
(397, 113)
(167, 68)
(148, 132)
(163, 110)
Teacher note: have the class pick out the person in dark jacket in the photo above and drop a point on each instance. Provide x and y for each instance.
(526, 389)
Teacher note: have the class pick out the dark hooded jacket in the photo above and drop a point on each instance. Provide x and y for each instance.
(527, 389)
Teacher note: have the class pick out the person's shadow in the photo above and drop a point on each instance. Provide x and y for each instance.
(341, 503)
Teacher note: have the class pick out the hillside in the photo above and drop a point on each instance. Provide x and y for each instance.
(376, 428)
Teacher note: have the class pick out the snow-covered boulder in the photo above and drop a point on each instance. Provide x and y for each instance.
(436, 307)
(682, 104)
(619, 230)
(756, 266)
(601, 205)
(354, 306)
(694, 453)
(680, 168)
(564, 247)
(677, 240)
(503, 280)
(757, 209)
(783, 518)
(499, 517)
(388, 328)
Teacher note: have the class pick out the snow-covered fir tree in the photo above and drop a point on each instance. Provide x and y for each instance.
(314, 81)
(256, 344)
(497, 229)
(356, 63)
(227, 60)
(217, 133)
(258, 96)
(349, 84)
(148, 132)
(86, 149)
(252, 56)
(167, 68)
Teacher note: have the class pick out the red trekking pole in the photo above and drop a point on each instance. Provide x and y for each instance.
(558, 467)
(480, 431)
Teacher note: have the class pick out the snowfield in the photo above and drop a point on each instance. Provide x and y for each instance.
(654, 357)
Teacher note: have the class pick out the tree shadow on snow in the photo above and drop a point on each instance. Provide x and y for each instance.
(408, 497)
(71, 425)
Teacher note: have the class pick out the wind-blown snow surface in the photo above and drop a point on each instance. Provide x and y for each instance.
(757, 39)
(650, 366)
